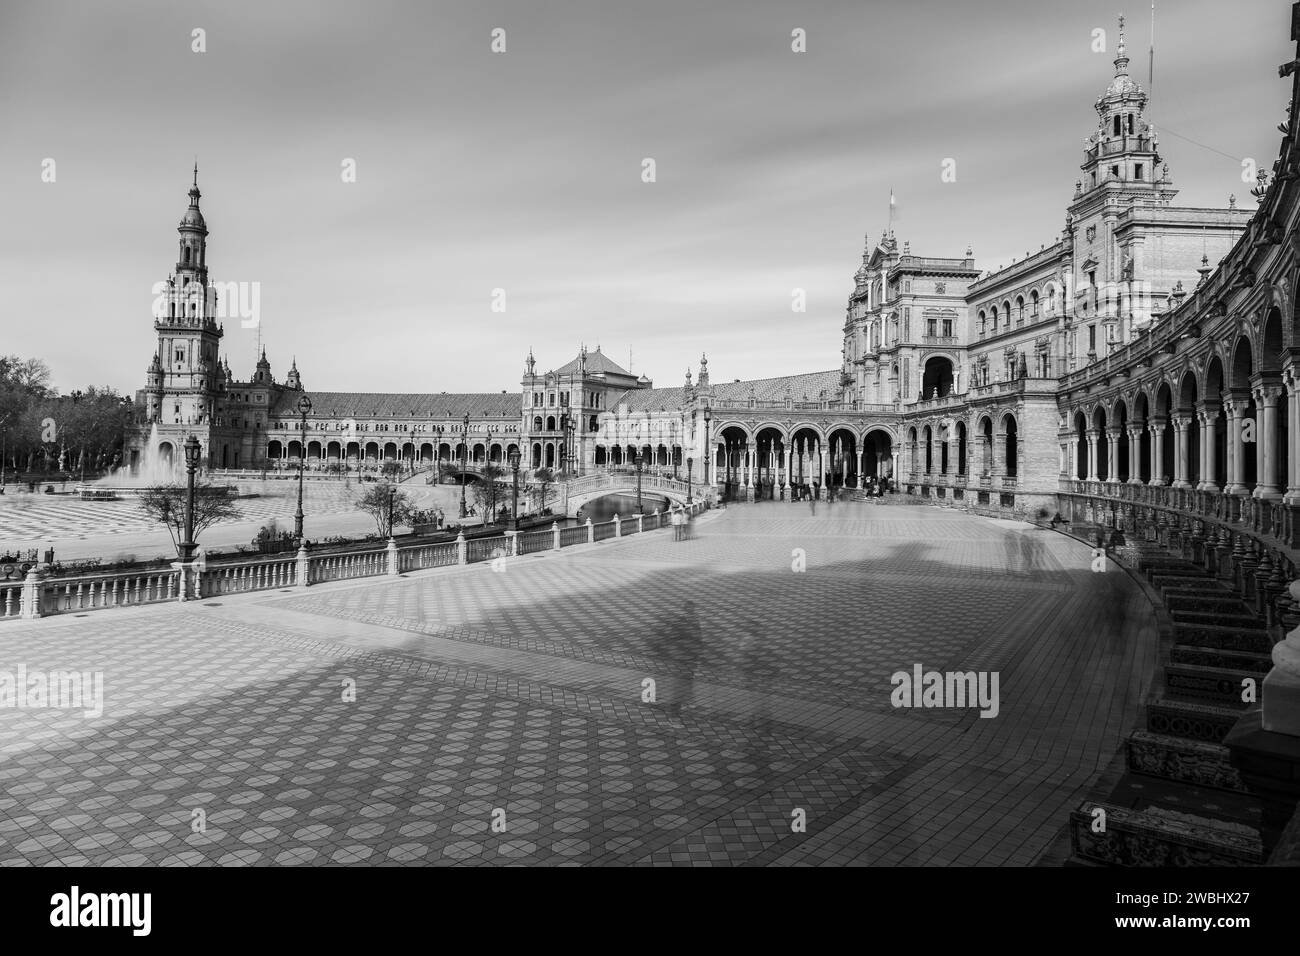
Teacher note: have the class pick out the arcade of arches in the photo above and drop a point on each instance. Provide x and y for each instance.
(1221, 425)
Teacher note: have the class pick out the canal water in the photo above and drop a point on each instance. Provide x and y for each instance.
(604, 508)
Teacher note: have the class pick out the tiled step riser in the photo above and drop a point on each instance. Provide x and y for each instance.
(1173, 718)
(1200, 601)
(1173, 579)
(1226, 638)
(1210, 684)
(1135, 839)
(1218, 657)
(1216, 619)
(1194, 762)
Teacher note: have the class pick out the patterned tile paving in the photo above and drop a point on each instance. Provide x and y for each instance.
(497, 717)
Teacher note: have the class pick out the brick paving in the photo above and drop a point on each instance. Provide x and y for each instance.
(499, 716)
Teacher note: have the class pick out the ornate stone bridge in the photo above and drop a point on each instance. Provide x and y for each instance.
(573, 494)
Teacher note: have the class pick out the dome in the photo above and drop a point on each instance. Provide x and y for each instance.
(193, 217)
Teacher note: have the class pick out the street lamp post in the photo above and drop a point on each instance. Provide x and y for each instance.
(412, 452)
(304, 408)
(464, 463)
(191, 465)
(392, 496)
(4, 440)
(638, 462)
(708, 449)
(514, 504)
(690, 464)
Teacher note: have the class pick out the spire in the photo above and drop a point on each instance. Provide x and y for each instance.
(1121, 60)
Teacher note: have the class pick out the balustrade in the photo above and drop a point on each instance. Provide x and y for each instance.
(91, 592)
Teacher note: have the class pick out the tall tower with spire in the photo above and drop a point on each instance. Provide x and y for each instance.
(1122, 171)
(183, 372)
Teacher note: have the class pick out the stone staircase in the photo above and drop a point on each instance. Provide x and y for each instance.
(1177, 800)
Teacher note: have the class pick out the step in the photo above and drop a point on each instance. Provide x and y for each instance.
(1217, 685)
(1186, 576)
(1218, 619)
(1198, 763)
(1250, 661)
(1202, 600)
(1189, 719)
(1158, 838)
(1229, 638)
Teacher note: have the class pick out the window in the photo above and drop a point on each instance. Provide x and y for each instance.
(1114, 172)
(947, 327)
(1117, 121)
(1137, 171)
(1092, 338)
(931, 324)
(1130, 124)
(550, 397)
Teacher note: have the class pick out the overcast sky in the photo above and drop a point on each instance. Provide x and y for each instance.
(522, 171)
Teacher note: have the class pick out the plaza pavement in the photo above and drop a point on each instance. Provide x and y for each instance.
(114, 529)
(498, 714)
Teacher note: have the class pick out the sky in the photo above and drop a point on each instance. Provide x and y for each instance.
(523, 170)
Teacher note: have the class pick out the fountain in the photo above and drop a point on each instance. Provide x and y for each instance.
(158, 466)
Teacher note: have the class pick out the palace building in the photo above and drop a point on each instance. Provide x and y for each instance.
(955, 381)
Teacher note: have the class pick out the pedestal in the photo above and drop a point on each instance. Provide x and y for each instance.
(187, 580)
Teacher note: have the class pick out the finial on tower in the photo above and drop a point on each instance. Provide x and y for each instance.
(196, 172)
(1121, 59)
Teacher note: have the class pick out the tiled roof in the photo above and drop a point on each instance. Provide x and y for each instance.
(421, 406)
(596, 362)
(651, 399)
(810, 387)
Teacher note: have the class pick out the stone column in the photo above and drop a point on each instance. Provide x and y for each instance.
(1092, 437)
(1266, 399)
(1291, 377)
(1205, 422)
(789, 461)
(862, 459)
(1112, 454)
(1156, 435)
(1135, 454)
(1181, 425)
(1236, 409)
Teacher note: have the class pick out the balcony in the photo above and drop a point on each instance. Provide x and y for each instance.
(940, 340)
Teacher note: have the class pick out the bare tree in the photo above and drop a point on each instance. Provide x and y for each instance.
(374, 502)
(490, 492)
(544, 477)
(166, 505)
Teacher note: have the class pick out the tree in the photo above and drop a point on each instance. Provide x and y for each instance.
(165, 504)
(374, 502)
(544, 477)
(490, 491)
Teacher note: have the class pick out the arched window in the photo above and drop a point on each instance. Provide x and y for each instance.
(187, 255)
(1033, 302)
